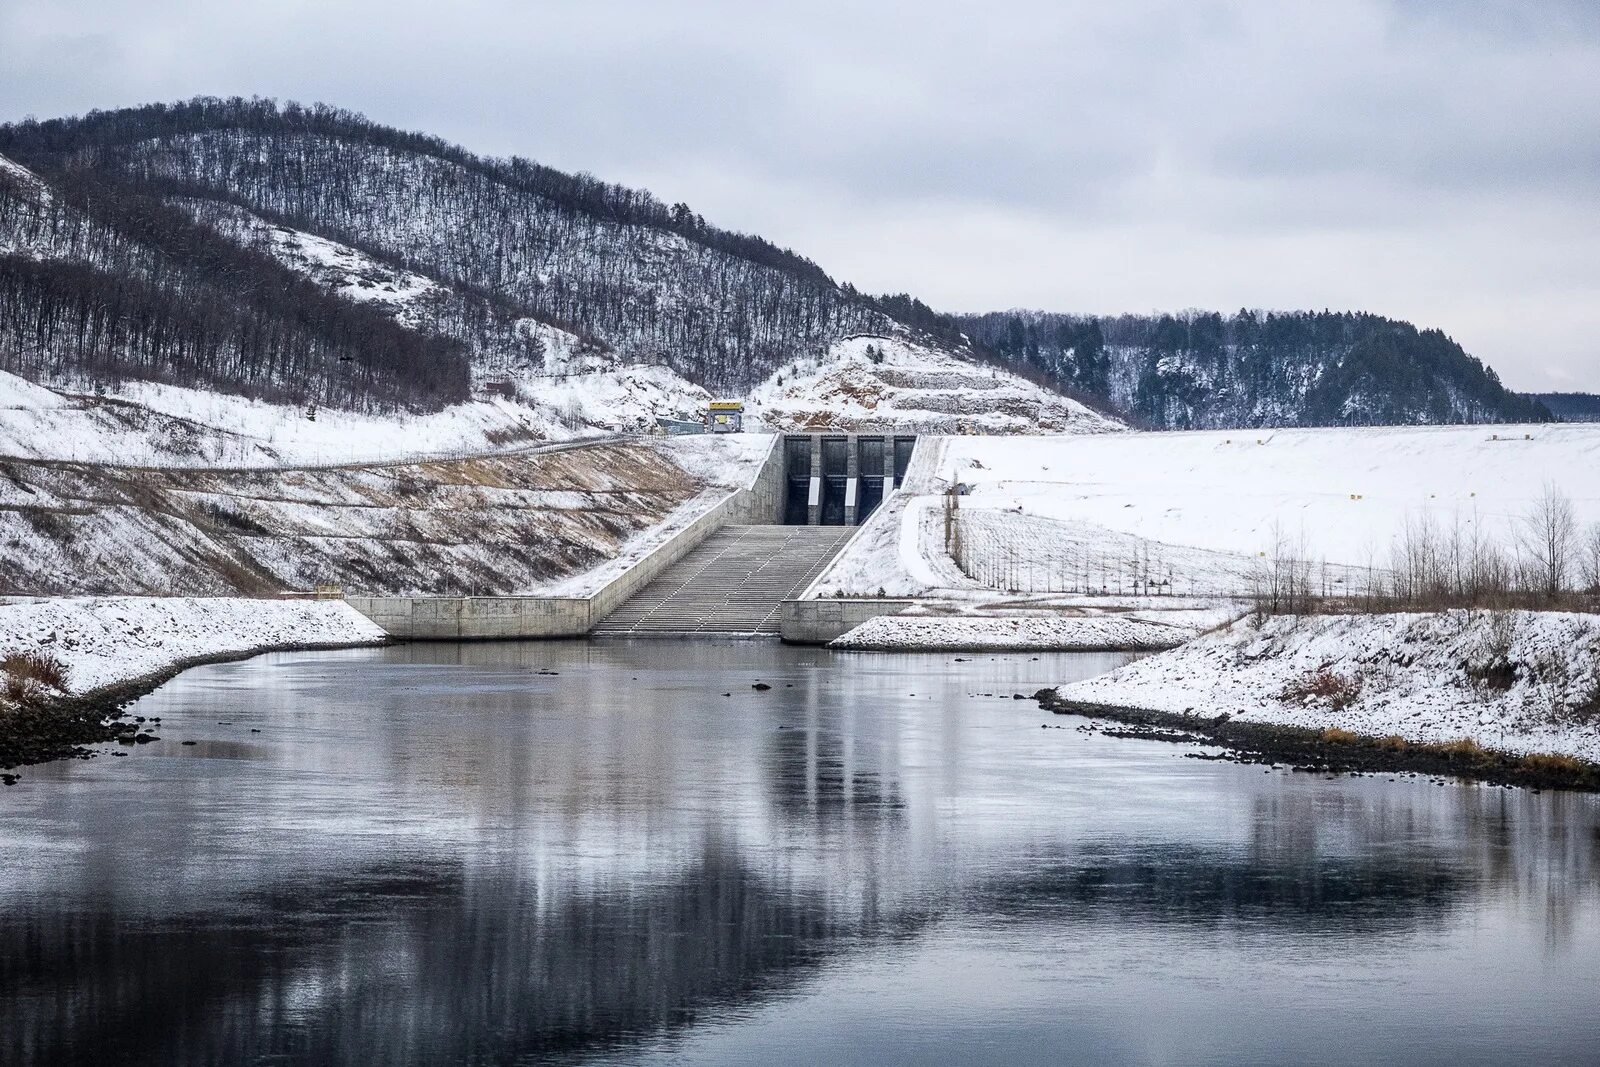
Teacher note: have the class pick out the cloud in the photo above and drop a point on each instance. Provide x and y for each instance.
(1429, 159)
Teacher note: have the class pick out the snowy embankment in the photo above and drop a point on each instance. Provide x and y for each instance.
(106, 642)
(148, 424)
(995, 633)
(1517, 682)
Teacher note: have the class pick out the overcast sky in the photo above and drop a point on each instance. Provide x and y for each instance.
(1436, 160)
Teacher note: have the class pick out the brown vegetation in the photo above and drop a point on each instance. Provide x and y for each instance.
(29, 675)
(1550, 564)
(1336, 690)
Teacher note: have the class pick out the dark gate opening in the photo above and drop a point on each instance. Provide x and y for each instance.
(871, 496)
(797, 495)
(833, 490)
(902, 457)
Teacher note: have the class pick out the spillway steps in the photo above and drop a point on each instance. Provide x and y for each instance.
(732, 584)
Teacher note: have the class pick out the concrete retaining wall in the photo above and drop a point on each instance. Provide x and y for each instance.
(816, 622)
(474, 618)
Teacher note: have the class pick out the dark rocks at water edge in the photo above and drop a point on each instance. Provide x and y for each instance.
(39, 733)
(1333, 751)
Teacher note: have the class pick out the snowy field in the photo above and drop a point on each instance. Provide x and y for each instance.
(1347, 492)
(1520, 682)
(106, 641)
(1197, 510)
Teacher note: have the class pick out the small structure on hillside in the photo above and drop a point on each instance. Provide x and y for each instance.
(674, 427)
(725, 416)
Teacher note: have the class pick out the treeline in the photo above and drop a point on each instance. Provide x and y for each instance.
(653, 282)
(117, 285)
(55, 141)
(1544, 559)
(1570, 407)
(1206, 370)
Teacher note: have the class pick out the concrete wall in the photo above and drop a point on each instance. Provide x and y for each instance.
(459, 618)
(816, 622)
(474, 618)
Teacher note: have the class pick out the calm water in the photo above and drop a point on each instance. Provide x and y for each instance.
(439, 855)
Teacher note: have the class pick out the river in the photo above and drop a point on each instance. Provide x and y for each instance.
(624, 852)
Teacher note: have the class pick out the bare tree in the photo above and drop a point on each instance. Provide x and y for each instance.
(1589, 562)
(1548, 536)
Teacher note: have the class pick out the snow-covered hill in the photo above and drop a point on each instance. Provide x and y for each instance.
(1202, 370)
(874, 382)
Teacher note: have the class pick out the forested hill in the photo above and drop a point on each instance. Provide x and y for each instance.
(1570, 407)
(478, 260)
(306, 254)
(1203, 370)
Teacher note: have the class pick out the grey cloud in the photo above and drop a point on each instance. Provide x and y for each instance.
(1076, 154)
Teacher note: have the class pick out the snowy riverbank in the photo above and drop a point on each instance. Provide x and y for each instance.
(1132, 625)
(107, 642)
(1516, 682)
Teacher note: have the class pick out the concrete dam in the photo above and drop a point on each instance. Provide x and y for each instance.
(738, 569)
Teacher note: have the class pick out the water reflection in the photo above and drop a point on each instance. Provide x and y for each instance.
(443, 855)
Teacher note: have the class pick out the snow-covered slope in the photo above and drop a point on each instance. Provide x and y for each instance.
(1514, 681)
(872, 382)
(146, 424)
(347, 271)
(512, 523)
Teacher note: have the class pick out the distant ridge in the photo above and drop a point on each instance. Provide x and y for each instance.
(1571, 407)
(306, 255)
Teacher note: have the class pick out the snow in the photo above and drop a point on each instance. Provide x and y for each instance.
(105, 641)
(1055, 631)
(21, 184)
(626, 398)
(19, 393)
(1413, 676)
(351, 274)
(1197, 510)
(873, 382)
(507, 523)
(727, 459)
(20, 174)
(147, 424)
(564, 352)
(150, 424)
(1349, 491)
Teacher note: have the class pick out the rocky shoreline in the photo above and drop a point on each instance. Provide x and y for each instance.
(1334, 751)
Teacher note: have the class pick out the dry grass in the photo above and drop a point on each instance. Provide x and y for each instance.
(28, 674)
(1336, 690)
(1466, 748)
(1391, 743)
(1549, 763)
(1335, 736)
